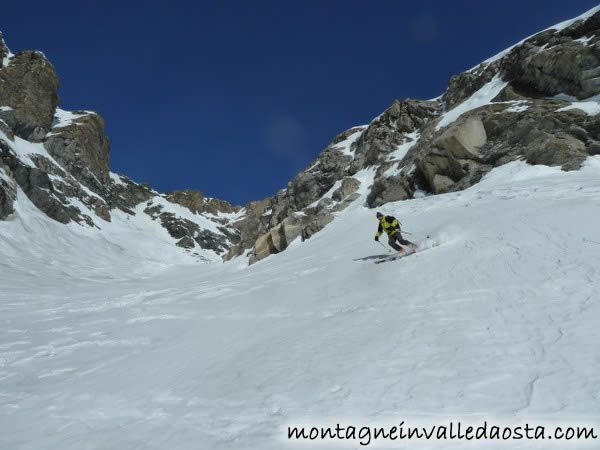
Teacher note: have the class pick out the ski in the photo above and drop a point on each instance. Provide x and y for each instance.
(396, 257)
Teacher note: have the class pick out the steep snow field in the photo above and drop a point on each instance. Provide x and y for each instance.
(105, 348)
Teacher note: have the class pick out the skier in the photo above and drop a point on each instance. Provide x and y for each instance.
(390, 225)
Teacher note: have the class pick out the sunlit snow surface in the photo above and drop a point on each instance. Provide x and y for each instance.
(105, 347)
(480, 98)
(590, 106)
(64, 118)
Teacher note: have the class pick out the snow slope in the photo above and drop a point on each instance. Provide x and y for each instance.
(482, 97)
(102, 349)
(136, 235)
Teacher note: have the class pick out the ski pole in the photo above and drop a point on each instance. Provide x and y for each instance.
(389, 251)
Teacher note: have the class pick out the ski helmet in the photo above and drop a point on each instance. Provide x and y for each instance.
(379, 214)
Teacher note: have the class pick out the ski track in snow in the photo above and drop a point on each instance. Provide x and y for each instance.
(501, 318)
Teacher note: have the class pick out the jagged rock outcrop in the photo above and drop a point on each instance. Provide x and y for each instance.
(388, 189)
(279, 237)
(570, 68)
(253, 223)
(315, 225)
(4, 128)
(463, 85)
(188, 233)
(4, 51)
(36, 184)
(310, 185)
(542, 135)
(464, 140)
(276, 239)
(8, 192)
(28, 94)
(458, 155)
(81, 147)
(197, 203)
(447, 162)
(348, 186)
(389, 130)
(64, 168)
(537, 133)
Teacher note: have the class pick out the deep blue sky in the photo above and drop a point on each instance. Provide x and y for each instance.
(234, 98)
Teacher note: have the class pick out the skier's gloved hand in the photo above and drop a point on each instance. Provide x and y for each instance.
(377, 238)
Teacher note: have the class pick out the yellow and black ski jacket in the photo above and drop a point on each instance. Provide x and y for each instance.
(389, 224)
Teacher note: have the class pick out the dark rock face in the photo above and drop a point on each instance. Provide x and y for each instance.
(81, 148)
(458, 155)
(127, 194)
(6, 200)
(405, 116)
(50, 188)
(571, 68)
(538, 134)
(389, 130)
(388, 189)
(254, 222)
(8, 192)
(7, 131)
(186, 242)
(187, 232)
(4, 52)
(312, 184)
(278, 238)
(37, 186)
(552, 63)
(547, 137)
(462, 86)
(349, 186)
(345, 135)
(316, 225)
(197, 203)
(29, 86)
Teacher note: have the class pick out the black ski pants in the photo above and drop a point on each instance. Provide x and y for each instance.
(397, 237)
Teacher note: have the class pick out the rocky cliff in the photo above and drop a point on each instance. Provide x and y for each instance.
(536, 101)
(60, 161)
